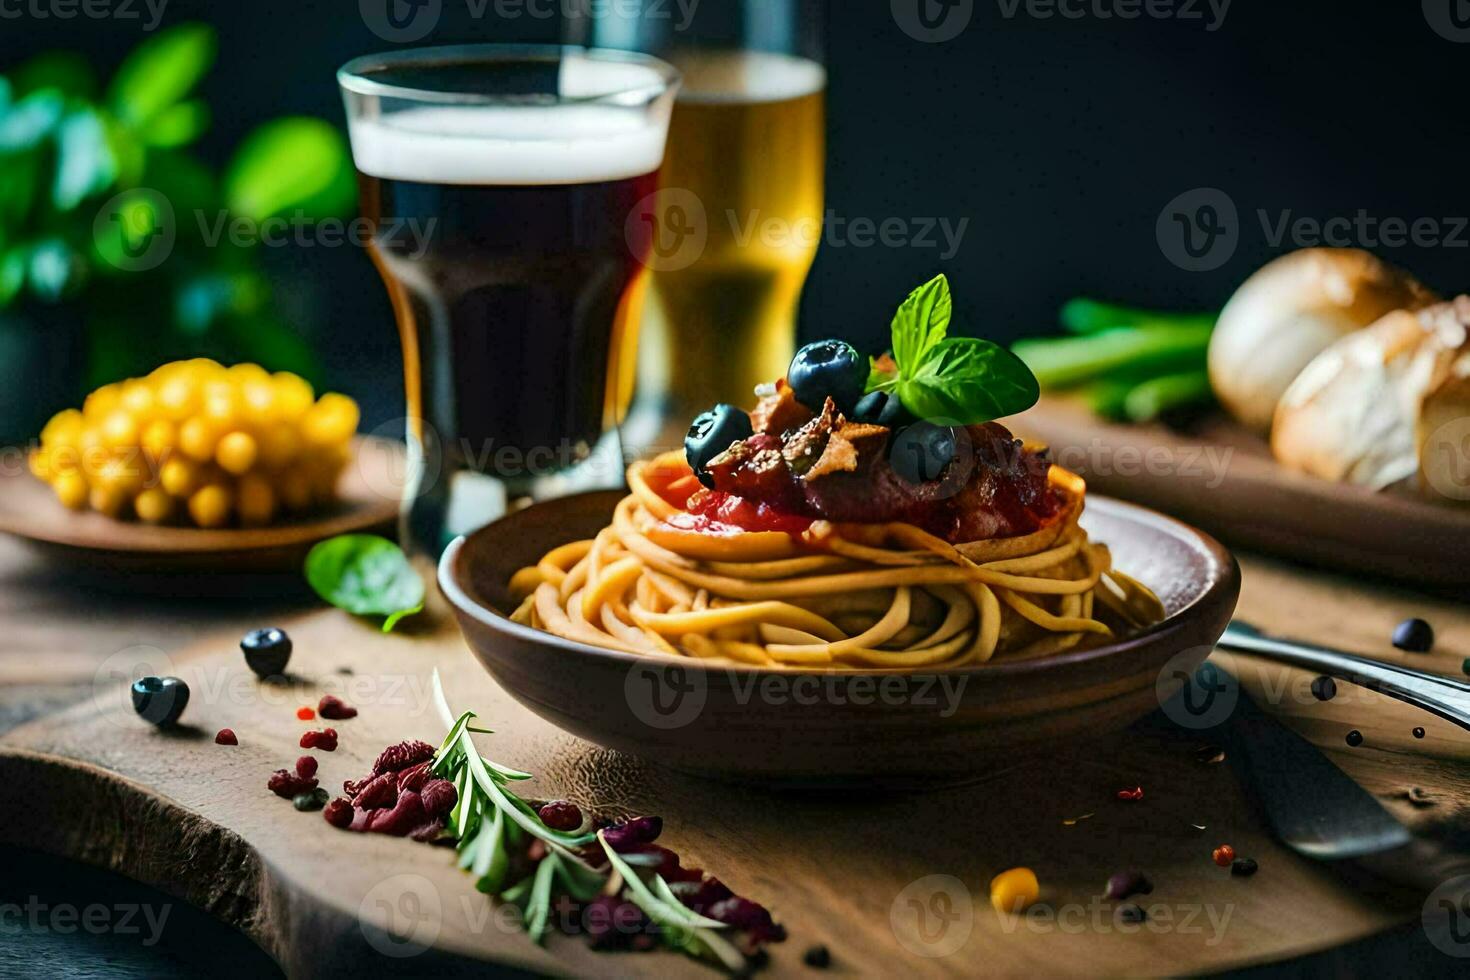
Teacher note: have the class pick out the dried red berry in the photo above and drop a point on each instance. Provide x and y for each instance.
(306, 766)
(226, 736)
(639, 830)
(402, 755)
(305, 714)
(610, 922)
(1223, 855)
(288, 784)
(326, 740)
(561, 815)
(406, 816)
(438, 797)
(334, 708)
(380, 791)
(1132, 795)
(743, 914)
(338, 813)
(414, 777)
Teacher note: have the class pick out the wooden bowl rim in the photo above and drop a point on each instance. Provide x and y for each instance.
(1223, 588)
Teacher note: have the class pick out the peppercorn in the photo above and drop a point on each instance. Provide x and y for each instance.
(1243, 867)
(1418, 733)
(1324, 688)
(818, 957)
(1355, 738)
(1414, 635)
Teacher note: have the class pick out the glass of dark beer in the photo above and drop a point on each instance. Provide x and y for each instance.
(510, 193)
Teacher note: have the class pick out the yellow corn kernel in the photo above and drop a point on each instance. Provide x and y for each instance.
(122, 473)
(120, 429)
(295, 489)
(294, 396)
(138, 400)
(159, 438)
(178, 476)
(256, 500)
(154, 505)
(177, 396)
(331, 421)
(64, 429)
(71, 489)
(198, 437)
(209, 506)
(279, 444)
(107, 500)
(1014, 891)
(101, 402)
(236, 453)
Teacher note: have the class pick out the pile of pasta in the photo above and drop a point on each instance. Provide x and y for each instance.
(849, 596)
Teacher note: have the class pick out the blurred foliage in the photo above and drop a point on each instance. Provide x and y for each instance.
(90, 175)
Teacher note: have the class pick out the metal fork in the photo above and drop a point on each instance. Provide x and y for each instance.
(1450, 699)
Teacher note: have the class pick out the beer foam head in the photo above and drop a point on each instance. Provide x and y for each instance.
(747, 76)
(532, 141)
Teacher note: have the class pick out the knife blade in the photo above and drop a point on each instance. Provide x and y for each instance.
(1320, 812)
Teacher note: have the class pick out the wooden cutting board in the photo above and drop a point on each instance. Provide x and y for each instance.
(1222, 478)
(194, 818)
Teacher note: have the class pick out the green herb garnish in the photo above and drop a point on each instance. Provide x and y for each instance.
(365, 575)
(491, 822)
(962, 380)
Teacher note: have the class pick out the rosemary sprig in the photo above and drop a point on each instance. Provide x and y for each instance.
(491, 823)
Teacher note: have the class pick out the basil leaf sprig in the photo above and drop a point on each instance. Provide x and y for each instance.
(964, 380)
(365, 575)
(490, 822)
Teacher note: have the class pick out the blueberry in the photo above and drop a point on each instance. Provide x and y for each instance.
(267, 651)
(160, 700)
(922, 451)
(880, 408)
(1413, 635)
(711, 434)
(828, 369)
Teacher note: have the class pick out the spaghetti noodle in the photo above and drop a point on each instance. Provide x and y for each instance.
(834, 596)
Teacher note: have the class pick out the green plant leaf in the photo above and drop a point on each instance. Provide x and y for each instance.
(161, 71)
(365, 575)
(178, 125)
(28, 121)
(967, 381)
(84, 161)
(65, 71)
(289, 165)
(921, 323)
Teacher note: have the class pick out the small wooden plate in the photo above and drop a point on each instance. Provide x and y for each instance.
(850, 728)
(368, 501)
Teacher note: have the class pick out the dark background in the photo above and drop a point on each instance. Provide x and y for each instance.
(1061, 140)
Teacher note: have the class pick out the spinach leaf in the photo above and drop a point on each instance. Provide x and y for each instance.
(366, 575)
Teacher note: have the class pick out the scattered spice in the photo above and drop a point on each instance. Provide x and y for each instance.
(326, 740)
(817, 957)
(1128, 883)
(1223, 855)
(1128, 912)
(1418, 733)
(1413, 635)
(1243, 867)
(305, 713)
(226, 736)
(1014, 891)
(1199, 826)
(1209, 755)
(1324, 688)
(334, 708)
(1073, 821)
(1355, 738)
(1131, 795)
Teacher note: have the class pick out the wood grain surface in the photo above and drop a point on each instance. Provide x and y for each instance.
(1223, 479)
(849, 871)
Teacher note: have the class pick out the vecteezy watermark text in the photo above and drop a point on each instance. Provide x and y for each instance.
(938, 21)
(122, 10)
(406, 21)
(96, 919)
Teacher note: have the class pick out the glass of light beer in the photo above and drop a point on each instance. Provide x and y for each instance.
(741, 205)
(504, 186)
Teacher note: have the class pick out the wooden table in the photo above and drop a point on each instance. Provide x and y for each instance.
(57, 635)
